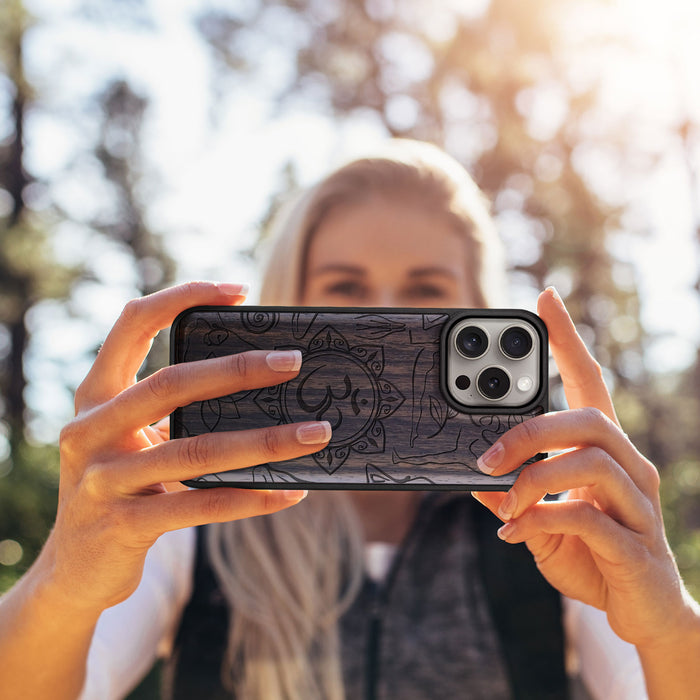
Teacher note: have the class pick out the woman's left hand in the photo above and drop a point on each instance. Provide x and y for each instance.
(604, 542)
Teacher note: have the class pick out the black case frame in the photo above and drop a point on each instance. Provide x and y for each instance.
(378, 374)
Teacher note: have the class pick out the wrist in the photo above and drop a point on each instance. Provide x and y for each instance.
(56, 591)
(683, 637)
(670, 662)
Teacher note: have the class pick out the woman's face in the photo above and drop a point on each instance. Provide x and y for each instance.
(386, 253)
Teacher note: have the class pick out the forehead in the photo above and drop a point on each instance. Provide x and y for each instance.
(386, 233)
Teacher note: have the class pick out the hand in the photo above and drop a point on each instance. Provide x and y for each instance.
(113, 498)
(604, 542)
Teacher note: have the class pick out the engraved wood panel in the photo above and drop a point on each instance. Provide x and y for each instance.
(374, 374)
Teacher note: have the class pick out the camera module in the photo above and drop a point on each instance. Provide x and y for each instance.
(516, 342)
(472, 342)
(494, 361)
(493, 383)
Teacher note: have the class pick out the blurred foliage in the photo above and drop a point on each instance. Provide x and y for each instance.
(28, 497)
(30, 273)
(475, 83)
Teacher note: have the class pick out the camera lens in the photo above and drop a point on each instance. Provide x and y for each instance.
(472, 342)
(516, 342)
(462, 382)
(493, 383)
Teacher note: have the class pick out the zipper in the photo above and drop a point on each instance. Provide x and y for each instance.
(374, 632)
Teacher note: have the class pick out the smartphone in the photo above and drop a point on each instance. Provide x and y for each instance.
(414, 396)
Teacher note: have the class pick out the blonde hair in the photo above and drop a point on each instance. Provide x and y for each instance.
(401, 169)
(288, 577)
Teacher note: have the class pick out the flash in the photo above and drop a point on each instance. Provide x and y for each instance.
(524, 383)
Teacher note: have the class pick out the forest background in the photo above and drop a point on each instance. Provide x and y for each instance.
(145, 142)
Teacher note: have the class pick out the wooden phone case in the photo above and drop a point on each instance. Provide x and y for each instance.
(377, 375)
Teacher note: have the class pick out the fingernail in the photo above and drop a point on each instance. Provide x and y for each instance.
(284, 360)
(314, 433)
(507, 508)
(476, 496)
(555, 293)
(491, 459)
(295, 496)
(233, 290)
(505, 531)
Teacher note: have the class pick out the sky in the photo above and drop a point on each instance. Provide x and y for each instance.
(217, 168)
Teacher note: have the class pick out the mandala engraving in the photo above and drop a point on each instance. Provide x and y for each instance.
(340, 384)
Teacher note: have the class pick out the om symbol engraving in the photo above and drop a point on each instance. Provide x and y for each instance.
(333, 387)
(340, 384)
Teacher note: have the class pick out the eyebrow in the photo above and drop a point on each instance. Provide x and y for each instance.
(431, 271)
(339, 267)
(344, 268)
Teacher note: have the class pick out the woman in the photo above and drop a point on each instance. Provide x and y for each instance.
(406, 229)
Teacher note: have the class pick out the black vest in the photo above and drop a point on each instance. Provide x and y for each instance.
(523, 608)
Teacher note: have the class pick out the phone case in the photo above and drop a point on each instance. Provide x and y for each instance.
(375, 374)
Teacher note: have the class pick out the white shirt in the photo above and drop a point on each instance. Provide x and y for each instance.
(130, 636)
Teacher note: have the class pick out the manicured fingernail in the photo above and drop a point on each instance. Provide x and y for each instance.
(314, 433)
(284, 360)
(233, 290)
(507, 508)
(295, 496)
(505, 531)
(491, 459)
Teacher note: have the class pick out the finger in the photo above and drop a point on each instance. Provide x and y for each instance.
(591, 468)
(605, 537)
(187, 458)
(179, 385)
(491, 499)
(129, 341)
(581, 427)
(172, 511)
(580, 373)
(161, 430)
(158, 432)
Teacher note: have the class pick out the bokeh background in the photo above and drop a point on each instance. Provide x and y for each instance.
(144, 142)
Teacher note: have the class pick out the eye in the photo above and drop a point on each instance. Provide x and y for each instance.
(347, 289)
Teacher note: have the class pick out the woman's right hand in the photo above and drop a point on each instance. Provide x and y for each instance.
(113, 499)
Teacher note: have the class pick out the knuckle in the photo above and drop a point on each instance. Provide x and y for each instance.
(72, 439)
(601, 459)
(195, 452)
(93, 482)
(239, 364)
(218, 505)
(596, 370)
(584, 513)
(269, 444)
(193, 288)
(593, 369)
(591, 414)
(67, 436)
(652, 476)
(530, 430)
(132, 309)
(163, 383)
(528, 479)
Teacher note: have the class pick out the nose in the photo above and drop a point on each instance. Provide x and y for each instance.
(384, 296)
